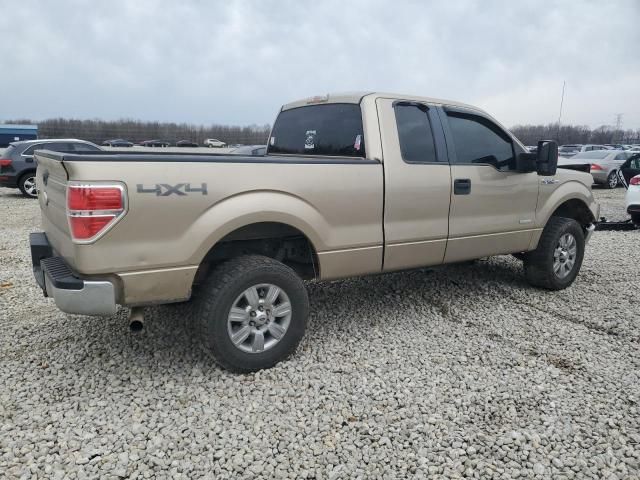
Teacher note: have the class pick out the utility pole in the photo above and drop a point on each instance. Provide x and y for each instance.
(617, 132)
(561, 102)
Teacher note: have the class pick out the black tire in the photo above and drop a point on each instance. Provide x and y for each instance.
(612, 180)
(215, 298)
(520, 255)
(25, 186)
(635, 218)
(539, 263)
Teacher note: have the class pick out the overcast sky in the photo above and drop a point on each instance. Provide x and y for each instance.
(236, 62)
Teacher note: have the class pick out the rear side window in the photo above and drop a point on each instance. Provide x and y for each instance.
(332, 130)
(84, 147)
(414, 134)
(480, 141)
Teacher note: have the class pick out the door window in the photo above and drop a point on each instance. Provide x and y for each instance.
(478, 140)
(415, 134)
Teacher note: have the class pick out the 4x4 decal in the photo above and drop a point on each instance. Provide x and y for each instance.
(180, 189)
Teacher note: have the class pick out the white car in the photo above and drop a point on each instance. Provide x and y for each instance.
(631, 173)
(214, 142)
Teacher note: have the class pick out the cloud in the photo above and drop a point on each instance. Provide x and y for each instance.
(238, 61)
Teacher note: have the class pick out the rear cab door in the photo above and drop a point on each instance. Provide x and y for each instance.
(492, 206)
(631, 167)
(417, 184)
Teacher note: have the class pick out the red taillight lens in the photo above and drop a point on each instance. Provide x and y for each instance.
(83, 228)
(635, 180)
(92, 208)
(5, 162)
(94, 198)
(595, 166)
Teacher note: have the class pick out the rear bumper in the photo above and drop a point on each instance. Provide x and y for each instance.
(71, 293)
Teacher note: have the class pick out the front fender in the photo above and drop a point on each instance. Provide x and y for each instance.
(569, 190)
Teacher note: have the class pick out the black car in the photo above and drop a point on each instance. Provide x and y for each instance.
(117, 142)
(186, 143)
(18, 168)
(155, 143)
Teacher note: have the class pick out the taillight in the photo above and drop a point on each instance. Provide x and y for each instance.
(635, 180)
(93, 208)
(5, 162)
(595, 166)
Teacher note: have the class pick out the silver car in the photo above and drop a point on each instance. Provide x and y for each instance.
(604, 164)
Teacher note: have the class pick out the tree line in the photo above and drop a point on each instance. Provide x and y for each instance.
(98, 131)
(135, 131)
(567, 134)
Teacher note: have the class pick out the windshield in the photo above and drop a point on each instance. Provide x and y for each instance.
(597, 154)
(332, 129)
(568, 148)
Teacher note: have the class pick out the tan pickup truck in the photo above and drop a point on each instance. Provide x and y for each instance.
(352, 184)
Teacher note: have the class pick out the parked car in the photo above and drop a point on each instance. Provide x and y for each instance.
(155, 143)
(630, 171)
(117, 142)
(603, 164)
(616, 146)
(250, 150)
(18, 168)
(186, 143)
(421, 182)
(213, 142)
(571, 150)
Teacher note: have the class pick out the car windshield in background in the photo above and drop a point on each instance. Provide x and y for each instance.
(595, 154)
(331, 129)
(568, 148)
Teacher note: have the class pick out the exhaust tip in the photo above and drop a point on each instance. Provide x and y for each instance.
(136, 326)
(136, 320)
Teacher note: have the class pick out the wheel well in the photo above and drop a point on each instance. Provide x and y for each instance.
(279, 241)
(575, 209)
(24, 173)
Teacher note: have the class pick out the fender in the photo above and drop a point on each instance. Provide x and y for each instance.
(568, 190)
(240, 210)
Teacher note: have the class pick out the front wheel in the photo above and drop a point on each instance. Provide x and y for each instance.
(612, 180)
(27, 185)
(252, 313)
(556, 262)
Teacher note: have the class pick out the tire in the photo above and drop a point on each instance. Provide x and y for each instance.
(225, 290)
(541, 264)
(612, 180)
(27, 185)
(635, 218)
(520, 255)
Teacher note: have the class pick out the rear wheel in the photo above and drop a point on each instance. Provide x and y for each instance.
(252, 313)
(635, 218)
(555, 263)
(27, 185)
(612, 180)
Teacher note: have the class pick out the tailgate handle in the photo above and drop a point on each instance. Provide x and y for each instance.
(462, 186)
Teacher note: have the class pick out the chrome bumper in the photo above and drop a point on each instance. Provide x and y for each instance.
(71, 293)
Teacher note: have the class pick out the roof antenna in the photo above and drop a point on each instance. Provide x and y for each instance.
(561, 102)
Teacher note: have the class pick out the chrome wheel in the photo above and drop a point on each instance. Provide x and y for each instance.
(564, 255)
(30, 186)
(259, 318)
(613, 180)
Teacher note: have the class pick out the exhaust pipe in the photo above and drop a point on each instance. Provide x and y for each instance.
(136, 319)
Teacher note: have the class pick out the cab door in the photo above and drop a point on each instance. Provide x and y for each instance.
(417, 184)
(492, 206)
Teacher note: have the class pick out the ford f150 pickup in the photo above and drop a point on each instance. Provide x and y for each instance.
(351, 184)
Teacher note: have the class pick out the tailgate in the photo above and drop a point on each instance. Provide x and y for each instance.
(51, 178)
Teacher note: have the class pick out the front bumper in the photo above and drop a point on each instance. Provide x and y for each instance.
(71, 293)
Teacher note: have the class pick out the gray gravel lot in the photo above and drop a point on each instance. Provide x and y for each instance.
(450, 372)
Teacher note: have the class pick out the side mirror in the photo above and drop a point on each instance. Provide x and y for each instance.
(526, 162)
(547, 157)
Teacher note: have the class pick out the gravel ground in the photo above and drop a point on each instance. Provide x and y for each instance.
(449, 372)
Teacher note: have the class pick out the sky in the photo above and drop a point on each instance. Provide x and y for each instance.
(236, 62)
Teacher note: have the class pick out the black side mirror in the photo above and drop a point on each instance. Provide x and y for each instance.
(547, 157)
(526, 162)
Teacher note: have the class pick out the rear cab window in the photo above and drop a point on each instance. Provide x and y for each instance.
(333, 129)
(414, 133)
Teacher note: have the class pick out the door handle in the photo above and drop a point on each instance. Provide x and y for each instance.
(462, 186)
